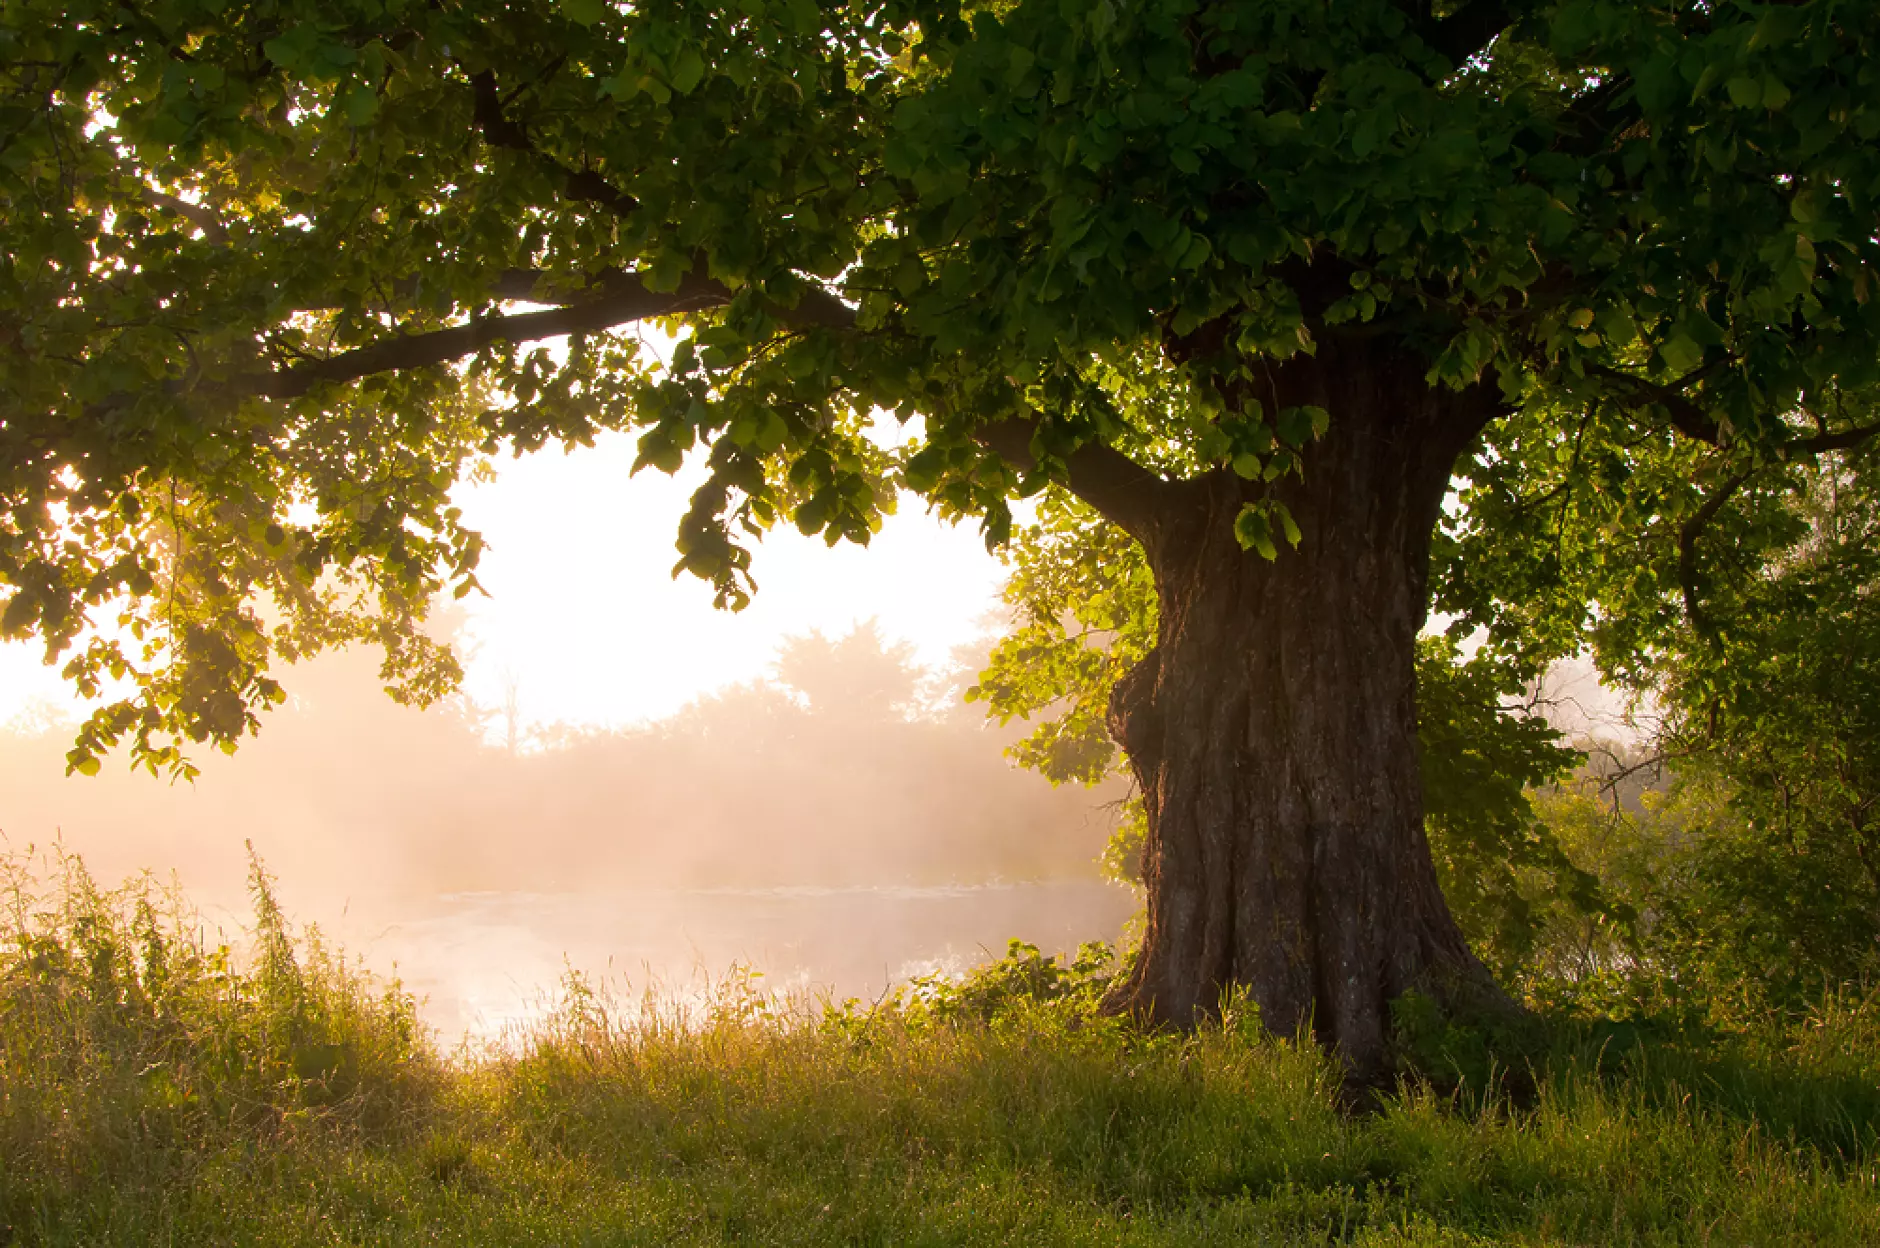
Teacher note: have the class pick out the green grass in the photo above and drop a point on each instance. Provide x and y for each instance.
(154, 1090)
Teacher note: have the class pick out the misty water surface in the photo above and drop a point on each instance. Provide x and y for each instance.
(485, 960)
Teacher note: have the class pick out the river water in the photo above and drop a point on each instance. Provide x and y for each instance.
(487, 962)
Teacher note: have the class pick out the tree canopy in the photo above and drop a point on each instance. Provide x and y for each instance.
(276, 276)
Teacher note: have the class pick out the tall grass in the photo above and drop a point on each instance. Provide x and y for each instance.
(130, 1047)
(157, 1089)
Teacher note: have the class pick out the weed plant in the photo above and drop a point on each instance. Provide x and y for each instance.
(155, 1088)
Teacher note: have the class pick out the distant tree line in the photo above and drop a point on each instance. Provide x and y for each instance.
(849, 764)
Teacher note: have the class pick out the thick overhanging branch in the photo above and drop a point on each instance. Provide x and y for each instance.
(612, 299)
(616, 299)
(815, 306)
(1122, 490)
(624, 299)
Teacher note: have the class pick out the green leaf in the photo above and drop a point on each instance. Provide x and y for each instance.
(1701, 329)
(1681, 353)
(361, 104)
(1745, 92)
(1288, 525)
(1254, 531)
(688, 70)
(772, 433)
(1298, 424)
(1805, 253)
(583, 12)
(286, 51)
(1777, 26)
(664, 273)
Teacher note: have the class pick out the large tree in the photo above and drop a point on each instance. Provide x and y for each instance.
(1245, 278)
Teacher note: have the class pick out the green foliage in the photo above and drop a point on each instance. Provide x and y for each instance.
(743, 1119)
(1733, 919)
(1024, 976)
(258, 302)
(1085, 608)
(1780, 713)
(1738, 596)
(1504, 872)
(1626, 835)
(1122, 853)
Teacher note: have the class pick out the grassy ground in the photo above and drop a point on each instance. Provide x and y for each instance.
(152, 1091)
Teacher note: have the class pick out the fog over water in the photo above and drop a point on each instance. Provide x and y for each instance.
(839, 825)
(484, 960)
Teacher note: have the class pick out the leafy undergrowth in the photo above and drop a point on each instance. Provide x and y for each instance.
(156, 1090)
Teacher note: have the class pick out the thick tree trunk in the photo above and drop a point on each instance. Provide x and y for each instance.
(1273, 730)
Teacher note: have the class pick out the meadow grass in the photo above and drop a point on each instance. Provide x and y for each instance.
(157, 1090)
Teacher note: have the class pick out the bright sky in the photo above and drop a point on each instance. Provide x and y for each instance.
(584, 612)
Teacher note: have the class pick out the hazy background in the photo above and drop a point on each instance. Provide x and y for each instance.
(648, 787)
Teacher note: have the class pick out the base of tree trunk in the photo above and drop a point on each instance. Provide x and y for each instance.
(1273, 734)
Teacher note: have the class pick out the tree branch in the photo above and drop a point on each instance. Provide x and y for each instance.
(815, 307)
(623, 298)
(197, 215)
(1845, 440)
(1686, 417)
(1694, 422)
(1122, 490)
(582, 185)
(1693, 529)
(612, 298)
(1599, 118)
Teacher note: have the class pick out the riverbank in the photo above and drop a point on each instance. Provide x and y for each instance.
(156, 1090)
(484, 962)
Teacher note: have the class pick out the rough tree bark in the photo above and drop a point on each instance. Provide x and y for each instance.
(1273, 727)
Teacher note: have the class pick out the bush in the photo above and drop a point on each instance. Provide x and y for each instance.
(1732, 907)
